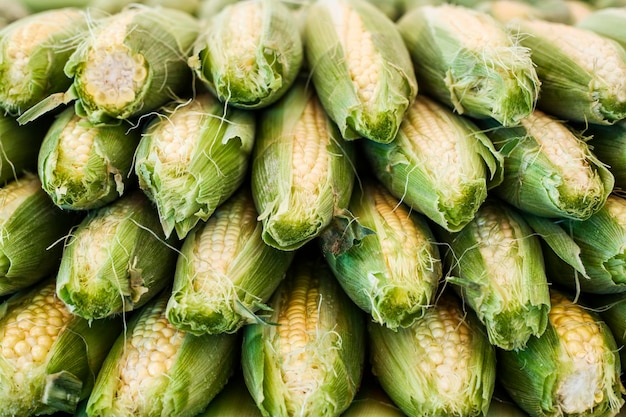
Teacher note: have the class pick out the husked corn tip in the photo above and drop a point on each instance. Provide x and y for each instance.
(297, 324)
(148, 356)
(172, 140)
(564, 149)
(30, 331)
(443, 327)
(497, 245)
(93, 242)
(309, 159)
(113, 73)
(437, 142)
(583, 343)
(471, 29)
(397, 217)
(219, 241)
(13, 195)
(75, 143)
(25, 39)
(591, 51)
(244, 25)
(617, 209)
(363, 60)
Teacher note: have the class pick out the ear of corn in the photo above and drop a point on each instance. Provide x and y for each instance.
(33, 51)
(48, 357)
(19, 146)
(30, 230)
(612, 310)
(593, 250)
(496, 264)
(250, 53)
(583, 75)
(83, 166)
(360, 67)
(549, 170)
(572, 369)
(211, 8)
(384, 257)
(607, 22)
(156, 370)
(440, 164)
(302, 172)
(193, 157)
(444, 360)
(225, 272)
(507, 10)
(308, 359)
(477, 68)
(116, 260)
(132, 62)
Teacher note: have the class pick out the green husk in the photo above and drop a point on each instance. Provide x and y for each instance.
(372, 401)
(378, 117)
(68, 372)
(233, 400)
(608, 143)
(221, 295)
(197, 371)
(295, 209)
(249, 73)
(33, 72)
(96, 181)
(411, 166)
(478, 69)
(612, 310)
(116, 260)
(19, 147)
(496, 265)
(544, 166)
(30, 234)
(319, 374)
(541, 378)
(571, 90)
(154, 42)
(406, 362)
(607, 21)
(589, 255)
(384, 256)
(191, 158)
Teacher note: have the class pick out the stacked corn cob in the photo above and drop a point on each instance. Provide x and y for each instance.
(255, 189)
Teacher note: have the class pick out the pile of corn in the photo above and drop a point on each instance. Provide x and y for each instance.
(321, 208)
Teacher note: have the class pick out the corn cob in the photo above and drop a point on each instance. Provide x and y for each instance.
(587, 255)
(583, 75)
(225, 272)
(384, 256)
(302, 172)
(360, 67)
(612, 310)
(116, 260)
(496, 264)
(156, 370)
(250, 53)
(83, 166)
(549, 170)
(48, 357)
(33, 51)
(30, 230)
(573, 369)
(131, 63)
(19, 146)
(445, 362)
(477, 68)
(310, 362)
(192, 158)
(440, 164)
